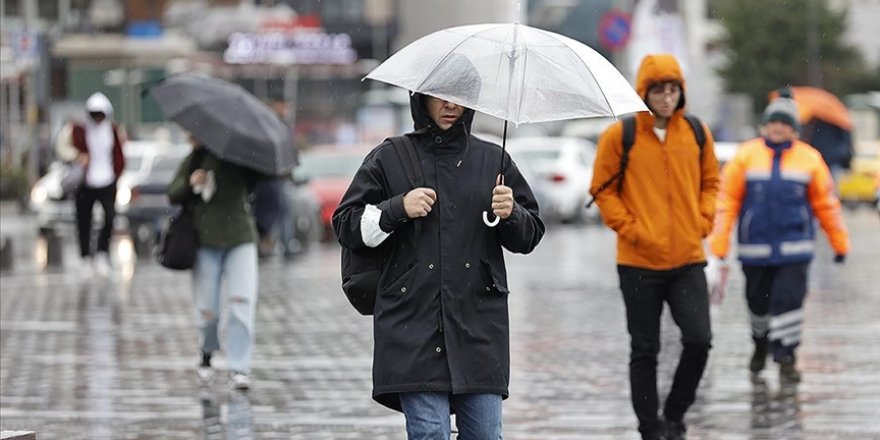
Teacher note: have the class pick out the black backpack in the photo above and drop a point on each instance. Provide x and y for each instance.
(362, 268)
(629, 135)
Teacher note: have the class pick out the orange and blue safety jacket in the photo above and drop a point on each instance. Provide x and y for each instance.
(775, 191)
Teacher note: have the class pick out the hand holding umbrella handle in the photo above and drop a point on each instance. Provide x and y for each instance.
(492, 223)
(499, 180)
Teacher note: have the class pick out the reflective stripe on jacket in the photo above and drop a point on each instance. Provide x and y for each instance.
(775, 194)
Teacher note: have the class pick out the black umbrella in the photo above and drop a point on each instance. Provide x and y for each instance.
(231, 122)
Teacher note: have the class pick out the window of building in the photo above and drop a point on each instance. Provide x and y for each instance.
(47, 10)
(10, 8)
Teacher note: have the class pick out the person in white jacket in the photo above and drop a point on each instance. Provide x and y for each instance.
(96, 144)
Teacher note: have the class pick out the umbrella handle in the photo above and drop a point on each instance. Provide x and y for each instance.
(493, 223)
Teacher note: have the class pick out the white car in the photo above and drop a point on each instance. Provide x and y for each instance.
(54, 208)
(724, 151)
(563, 168)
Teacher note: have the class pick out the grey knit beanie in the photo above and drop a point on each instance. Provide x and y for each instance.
(783, 109)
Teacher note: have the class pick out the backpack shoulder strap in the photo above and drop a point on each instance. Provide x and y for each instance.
(412, 165)
(409, 157)
(629, 135)
(629, 138)
(699, 134)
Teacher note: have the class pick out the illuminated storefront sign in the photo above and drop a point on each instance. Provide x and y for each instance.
(290, 48)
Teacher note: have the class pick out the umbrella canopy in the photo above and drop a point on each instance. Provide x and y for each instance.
(820, 104)
(232, 123)
(512, 71)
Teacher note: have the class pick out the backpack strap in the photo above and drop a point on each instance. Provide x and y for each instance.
(409, 157)
(412, 165)
(629, 135)
(699, 134)
(629, 138)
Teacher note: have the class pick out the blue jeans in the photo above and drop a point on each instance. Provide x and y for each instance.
(477, 416)
(241, 287)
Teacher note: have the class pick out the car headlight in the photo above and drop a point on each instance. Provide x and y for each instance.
(123, 196)
(39, 195)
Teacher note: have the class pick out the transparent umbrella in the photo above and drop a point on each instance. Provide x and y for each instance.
(515, 72)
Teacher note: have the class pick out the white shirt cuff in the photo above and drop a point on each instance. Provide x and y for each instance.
(371, 233)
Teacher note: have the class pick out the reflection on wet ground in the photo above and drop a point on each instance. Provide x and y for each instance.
(226, 415)
(114, 359)
(777, 410)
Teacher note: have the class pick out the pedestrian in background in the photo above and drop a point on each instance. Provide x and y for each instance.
(440, 323)
(272, 208)
(96, 144)
(662, 209)
(773, 188)
(227, 239)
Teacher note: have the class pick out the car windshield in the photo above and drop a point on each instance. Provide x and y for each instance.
(163, 169)
(329, 165)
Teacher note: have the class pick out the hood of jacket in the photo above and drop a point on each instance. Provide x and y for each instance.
(98, 102)
(455, 76)
(659, 68)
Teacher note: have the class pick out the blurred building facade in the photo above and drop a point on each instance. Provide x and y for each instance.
(314, 54)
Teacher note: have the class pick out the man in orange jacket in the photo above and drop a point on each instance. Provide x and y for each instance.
(775, 185)
(661, 209)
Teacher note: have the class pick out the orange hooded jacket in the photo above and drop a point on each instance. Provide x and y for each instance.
(667, 202)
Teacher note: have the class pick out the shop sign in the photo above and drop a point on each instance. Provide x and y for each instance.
(290, 48)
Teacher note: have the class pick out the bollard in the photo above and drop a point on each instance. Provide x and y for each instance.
(7, 256)
(54, 249)
(18, 435)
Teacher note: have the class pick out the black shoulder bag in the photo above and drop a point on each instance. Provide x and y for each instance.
(180, 242)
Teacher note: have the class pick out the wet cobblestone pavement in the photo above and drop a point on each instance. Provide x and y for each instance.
(114, 359)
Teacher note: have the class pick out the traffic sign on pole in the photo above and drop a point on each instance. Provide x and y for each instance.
(614, 30)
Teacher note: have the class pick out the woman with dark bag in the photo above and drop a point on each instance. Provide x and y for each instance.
(218, 193)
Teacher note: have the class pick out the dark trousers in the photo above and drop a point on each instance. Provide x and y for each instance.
(85, 202)
(644, 292)
(776, 296)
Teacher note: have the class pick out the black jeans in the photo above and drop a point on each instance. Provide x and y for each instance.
(644, 292)
(85, 201)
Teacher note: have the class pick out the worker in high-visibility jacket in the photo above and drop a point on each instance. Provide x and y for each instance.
(774, 188)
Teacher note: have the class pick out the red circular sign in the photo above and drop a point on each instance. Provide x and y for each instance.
(614, 30)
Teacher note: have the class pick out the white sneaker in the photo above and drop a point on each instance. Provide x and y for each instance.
(102, 265)
(205, 374)
(240, 381)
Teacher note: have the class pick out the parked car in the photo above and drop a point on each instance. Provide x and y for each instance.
(55, 209)
(724, 151)
(587, 128)
(328, 170)
(148, 208)
(861, 183)
(561, 168)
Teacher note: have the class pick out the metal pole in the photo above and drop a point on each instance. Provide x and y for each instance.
(4, 125)
(15, 118)
(291, 84)
(814, 69)
(29, 10)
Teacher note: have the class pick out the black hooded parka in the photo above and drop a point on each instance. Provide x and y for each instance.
(441, 319)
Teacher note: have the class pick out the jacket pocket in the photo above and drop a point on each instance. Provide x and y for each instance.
(494, 281)
(644, 243)
(400, 285)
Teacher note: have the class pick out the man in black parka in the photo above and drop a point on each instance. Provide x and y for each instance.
(441, 320)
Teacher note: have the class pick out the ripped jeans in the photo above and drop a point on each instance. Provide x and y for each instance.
(238, 265)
